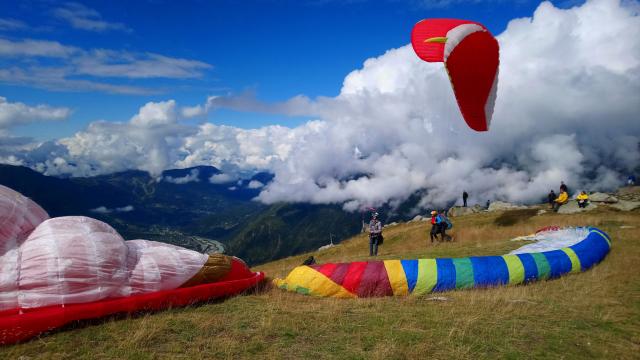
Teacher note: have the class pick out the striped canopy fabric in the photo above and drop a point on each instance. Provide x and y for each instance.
(422, 276)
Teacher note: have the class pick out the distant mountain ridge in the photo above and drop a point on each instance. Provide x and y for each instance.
(183, 207)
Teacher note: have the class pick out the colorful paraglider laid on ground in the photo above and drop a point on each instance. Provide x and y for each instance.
(556, 252)
(471, 57)
(55, 271)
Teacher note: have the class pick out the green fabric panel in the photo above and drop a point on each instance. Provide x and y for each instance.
(464, 273)
(427, 276)
(543, 266)
(516, 269)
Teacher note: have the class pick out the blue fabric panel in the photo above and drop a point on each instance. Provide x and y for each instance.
(410, 268)
(591, 250)
(446, 275)
(530, 267)
(489, 270)
(559, 262)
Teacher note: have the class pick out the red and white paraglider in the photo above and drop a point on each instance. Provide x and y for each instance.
(471, 57)
(58, 270)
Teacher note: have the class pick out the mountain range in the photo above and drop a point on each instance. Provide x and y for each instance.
(198, 208)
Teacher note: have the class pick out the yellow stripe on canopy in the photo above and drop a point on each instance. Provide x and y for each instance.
(313, 282)
(397, 278)
(427, 276)
(438, 39)
(575, 261)
(516, 269)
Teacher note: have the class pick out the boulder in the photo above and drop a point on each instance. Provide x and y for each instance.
(391, 224)
(603, 198)
(461, 211)
(417, 218)
(625, 205)
(572, 208)
(503, 205)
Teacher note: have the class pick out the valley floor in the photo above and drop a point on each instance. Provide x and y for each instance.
(595, 314)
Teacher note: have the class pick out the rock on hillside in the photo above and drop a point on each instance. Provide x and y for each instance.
(502, 205)
(603, 197)
(572, 207)
(461, 211)
(626, 205)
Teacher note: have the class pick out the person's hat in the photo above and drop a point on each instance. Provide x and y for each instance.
(375, 214)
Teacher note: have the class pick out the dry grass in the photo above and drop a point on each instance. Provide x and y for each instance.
(589, 315)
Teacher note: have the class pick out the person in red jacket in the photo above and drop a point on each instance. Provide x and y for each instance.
(435, 225)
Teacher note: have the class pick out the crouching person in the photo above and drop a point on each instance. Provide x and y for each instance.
(583, 199)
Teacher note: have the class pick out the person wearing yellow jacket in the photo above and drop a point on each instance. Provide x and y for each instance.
(562, 199)
(583, 199)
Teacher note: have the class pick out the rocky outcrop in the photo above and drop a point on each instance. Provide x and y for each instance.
(572, 208)
(502, 206)
(457, 211)
(603, 198)
(625, 205)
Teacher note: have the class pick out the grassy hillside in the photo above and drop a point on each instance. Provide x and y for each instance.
(595, 314)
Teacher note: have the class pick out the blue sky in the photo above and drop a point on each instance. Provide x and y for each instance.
(274, 48)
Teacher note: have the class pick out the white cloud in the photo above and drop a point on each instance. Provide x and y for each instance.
(17, 113)
(52, 65)
(191, 177)
(222, 179)
(7, 24)
(567, 110)
(255, 184)
(84, 18)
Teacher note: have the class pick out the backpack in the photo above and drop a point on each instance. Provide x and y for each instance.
(380, 239)
(449, 224)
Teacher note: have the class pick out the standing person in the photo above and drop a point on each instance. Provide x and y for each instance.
(434, 225)
(551, 198)
(375, 232)
(488, 203)
(464, 198)
(631, 181)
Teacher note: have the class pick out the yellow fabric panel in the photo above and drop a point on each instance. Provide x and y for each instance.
(516, 269)
(316, 283)
(575, 261)
(397, 278)
(427, 276)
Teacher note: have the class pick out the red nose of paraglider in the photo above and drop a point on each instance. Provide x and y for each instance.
(471, 57)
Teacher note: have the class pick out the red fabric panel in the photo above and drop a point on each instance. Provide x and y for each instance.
(340, 273)
(472, 67)
(16, 327)
(325, 269)
(353, 277)
(375, 281)
(430, 28)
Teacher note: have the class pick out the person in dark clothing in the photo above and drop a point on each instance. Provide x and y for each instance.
(435, 226)
(551, 198)
(464, 198)
(375, 231)
(563, 187)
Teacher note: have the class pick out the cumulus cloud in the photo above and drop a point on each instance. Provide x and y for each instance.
(17, 113)
(567, 110)
(255, 184)
(222, 179)
(84, 18)
(191, 177)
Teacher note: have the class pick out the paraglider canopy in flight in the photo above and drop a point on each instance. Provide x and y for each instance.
(471, 57)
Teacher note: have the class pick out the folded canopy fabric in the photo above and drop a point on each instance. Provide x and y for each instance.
(422, 276)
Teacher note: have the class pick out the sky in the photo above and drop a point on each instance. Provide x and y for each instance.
(326, 95)
(276, 49)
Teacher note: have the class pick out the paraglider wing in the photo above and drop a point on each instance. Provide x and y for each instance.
(471, 57)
